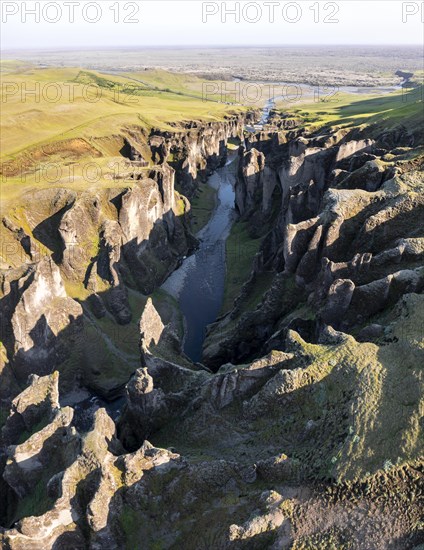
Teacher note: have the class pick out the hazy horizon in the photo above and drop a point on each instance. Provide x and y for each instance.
(105, 47)
(187, 23)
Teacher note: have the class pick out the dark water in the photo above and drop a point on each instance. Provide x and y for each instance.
(198, 284)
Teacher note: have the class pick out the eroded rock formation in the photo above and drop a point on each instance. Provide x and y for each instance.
(343, 242)
(304, 428)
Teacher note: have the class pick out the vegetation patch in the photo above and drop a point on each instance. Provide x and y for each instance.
(36, 504)
(381, 112)
(202, 206)
(241, 249)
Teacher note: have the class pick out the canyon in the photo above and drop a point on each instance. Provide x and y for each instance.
(299, 422)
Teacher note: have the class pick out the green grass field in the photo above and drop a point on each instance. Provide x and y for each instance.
(348, 110)
(67, 117)
(66, 105)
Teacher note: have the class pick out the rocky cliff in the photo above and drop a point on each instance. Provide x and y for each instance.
(342, 249)
(78, 262)
(196, 150)
(302, 429)
(260, 446)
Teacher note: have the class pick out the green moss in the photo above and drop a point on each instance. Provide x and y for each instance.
(240, 252)
(98, 361)
(140, 528)
(333, 539)
(180, 205)
(125, 338)
(129, 521)
(233, 144)
(35, 504)
(361, 402)
(202, 206)
(263, 282)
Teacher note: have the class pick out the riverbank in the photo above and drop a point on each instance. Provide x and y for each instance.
(240, 252)
(198, 284)
(202, 206)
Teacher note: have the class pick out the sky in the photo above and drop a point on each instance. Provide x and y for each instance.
(111, 23)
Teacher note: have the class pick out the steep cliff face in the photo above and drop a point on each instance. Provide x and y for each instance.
(255, 186)
(344, 202)
(40, 321)
(196, 150)
(78, 263)
(90, 254)
(138, 229)
(282, 441)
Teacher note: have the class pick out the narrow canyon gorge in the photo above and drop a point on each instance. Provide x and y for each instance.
(141, 399)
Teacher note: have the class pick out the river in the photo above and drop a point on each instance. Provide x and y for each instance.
(198, 284)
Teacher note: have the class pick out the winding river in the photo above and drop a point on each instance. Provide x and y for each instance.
(198, 284)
